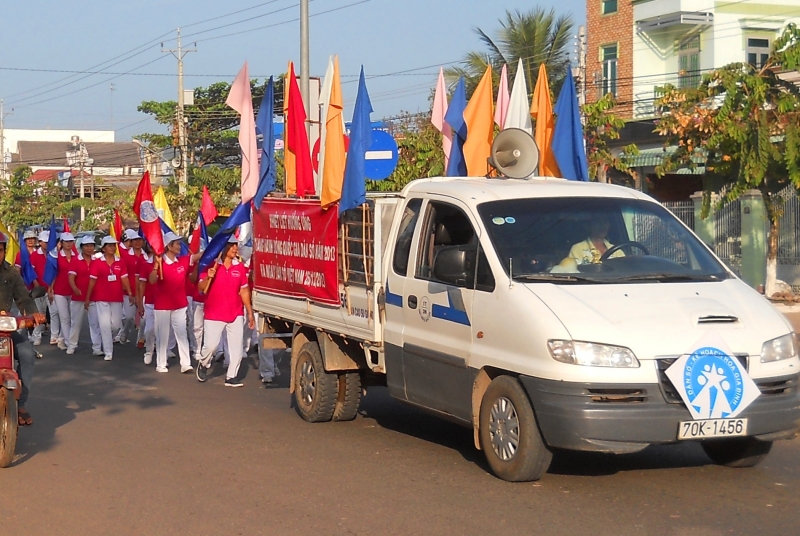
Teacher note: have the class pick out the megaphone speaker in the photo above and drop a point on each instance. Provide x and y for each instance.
(514, 154)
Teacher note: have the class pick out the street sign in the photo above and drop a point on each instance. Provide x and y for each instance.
(381, 156)
(315, 152)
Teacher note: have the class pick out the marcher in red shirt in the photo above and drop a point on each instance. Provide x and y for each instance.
(79, 282)
(225, 284)
(170, 304)
(130, 257)
(60, 291)
(108, 284)
(39, 261)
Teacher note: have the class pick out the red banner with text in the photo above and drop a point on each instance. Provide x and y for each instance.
(294, 250)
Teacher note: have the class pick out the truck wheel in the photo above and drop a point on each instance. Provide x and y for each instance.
(739, 452)
(8, 427)
(349, 396)
(509, 435)
(315, 390)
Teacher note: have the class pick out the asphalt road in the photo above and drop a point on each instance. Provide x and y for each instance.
(118, 449)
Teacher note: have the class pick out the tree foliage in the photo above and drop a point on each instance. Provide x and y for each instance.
(600, 128)
(537, 36)
(742, 121)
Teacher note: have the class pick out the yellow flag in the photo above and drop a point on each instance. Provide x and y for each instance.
(160, 201)
(289, 159)
(479, 117)
(542, 112)
(12, 246)
(333, 170)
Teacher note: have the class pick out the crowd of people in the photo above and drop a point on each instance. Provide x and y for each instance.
(159, 302)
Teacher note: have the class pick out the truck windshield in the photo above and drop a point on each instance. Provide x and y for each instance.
(595, 240)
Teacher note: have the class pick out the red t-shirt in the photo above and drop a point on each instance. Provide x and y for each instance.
(109, 280)
(131, 261)
(61, 283)
(81, 270)
(170, 292)
(223, 301)
(39, 261)
(146, 266)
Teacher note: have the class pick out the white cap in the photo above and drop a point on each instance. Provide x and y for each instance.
(170, 237)
(86, 239)
(44, 236)
(130, 234)
(29, 234)
(233, 240)
(108, 240)
(67, 237)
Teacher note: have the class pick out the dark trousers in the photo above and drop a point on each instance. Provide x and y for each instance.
(26, 355)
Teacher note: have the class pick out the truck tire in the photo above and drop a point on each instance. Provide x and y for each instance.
(8, 427)
(738, 452)
(315, 391)
(349, 396)
(509, 434)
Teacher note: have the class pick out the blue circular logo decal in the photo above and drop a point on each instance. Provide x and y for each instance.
(148, 212)
(713, 383)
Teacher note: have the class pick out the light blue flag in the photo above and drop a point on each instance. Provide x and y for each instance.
(568, 147)
(240, 215)
(354, 190)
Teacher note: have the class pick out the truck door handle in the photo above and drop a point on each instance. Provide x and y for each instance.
(412, 302)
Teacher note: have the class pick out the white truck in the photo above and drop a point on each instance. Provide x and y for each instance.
(543, 314)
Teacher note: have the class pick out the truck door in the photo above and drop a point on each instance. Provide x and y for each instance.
(437, 311)
(394, 327)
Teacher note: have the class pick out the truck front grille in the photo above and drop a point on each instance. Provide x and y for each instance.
(671, 394)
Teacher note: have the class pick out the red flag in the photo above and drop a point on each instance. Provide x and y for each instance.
(66, 230)
(117, 228)
(207, 207)
(147, 214)
(297, 139)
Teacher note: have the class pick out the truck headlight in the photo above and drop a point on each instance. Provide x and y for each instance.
(778, 349)
(591, 354)
(8, 323)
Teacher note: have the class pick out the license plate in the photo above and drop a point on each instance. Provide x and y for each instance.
(712, 428)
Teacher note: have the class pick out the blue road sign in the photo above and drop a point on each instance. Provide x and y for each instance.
(381, 156)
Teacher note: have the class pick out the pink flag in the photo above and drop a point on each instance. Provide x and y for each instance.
(437, 118)
(503, 99)
(241, 100)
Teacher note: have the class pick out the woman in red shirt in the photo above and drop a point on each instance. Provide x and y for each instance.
(170, 303)
(225, 284)
(60, 291)
(79, 282)
(108, 279)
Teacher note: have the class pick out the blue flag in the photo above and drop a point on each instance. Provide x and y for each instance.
(457, 166)
(266, 180)
(166, 229)
(27, 270)
(203, 231)
(568, 147)
(240, 215)
(51, 255)
(354, 189)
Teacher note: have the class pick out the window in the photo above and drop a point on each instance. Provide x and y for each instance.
(405, 235)
(757, 51)
(609, 6)
(689, 63)
(608, 57)
(449, 250)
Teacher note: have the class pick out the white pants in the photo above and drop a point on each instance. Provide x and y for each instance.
(198, 317)
(43, 305)
(63, 306)
(213, 332)
(150, 330)
(76, 314)
(109, 316)
(177, 321)
(128, 320)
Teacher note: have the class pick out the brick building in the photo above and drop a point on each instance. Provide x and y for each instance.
(609, 57)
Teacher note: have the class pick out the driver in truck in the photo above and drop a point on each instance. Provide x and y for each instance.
(590, 251)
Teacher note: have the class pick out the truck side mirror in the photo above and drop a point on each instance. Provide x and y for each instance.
(455, 265)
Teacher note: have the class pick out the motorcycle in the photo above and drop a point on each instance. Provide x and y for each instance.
(10, 385)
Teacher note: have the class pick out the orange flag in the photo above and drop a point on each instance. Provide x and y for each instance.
(333, 170)
(542, 112)
(479, 117)
(289, 159)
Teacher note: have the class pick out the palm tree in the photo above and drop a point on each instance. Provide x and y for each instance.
(537, 36)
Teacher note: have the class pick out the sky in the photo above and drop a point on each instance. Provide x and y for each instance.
(119, 43)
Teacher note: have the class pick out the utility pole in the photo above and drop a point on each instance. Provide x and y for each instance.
(111, 112)
(304, 61)
(179, 53)
(3, 168)
(582, 65)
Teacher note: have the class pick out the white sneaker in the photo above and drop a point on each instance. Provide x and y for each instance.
(148, 358)
(107, 358)
(37, 343)
(97, 352)
(70, 351)
(53, 342)
(184, 370)
(162, 369)
(62, 345)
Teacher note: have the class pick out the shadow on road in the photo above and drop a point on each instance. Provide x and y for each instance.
(574, 463)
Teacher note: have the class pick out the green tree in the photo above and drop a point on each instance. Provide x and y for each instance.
(24, 202)
(745, 122)
(536, 36)
(602, 126)
(420, 153)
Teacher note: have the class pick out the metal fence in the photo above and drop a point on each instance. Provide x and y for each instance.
(728, 235)
(788, 236)
(683, 210)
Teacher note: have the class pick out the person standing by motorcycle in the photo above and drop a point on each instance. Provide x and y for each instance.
(13, 291)
(79, 283)
(108, 284)
(60, 292)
